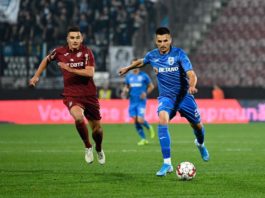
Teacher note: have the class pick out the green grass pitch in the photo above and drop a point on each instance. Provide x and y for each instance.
(48, 161)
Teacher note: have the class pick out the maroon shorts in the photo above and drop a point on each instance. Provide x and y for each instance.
(90, 104)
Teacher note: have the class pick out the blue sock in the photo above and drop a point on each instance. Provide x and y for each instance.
(140, 130)
(146, 125)
(199, 135)
(164, 138)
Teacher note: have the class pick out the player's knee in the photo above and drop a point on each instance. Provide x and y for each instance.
(163, 118)
(140, 120)
(197, 126)
(78, 118)
(163, 121)
(97, 129)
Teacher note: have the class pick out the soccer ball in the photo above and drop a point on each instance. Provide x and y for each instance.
(186, 171)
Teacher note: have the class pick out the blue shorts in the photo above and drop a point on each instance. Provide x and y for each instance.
(137, 110)
(186, 106)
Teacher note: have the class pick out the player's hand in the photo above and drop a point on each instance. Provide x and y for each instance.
(65, 66)
(123, 95)
(143, 95)
(62, 65)
(123, 71)
(192, 90)
(33, 81)
(155, 70)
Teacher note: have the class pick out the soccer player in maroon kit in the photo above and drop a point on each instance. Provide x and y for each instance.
(80, 96)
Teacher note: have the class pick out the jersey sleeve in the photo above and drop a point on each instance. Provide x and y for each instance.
(52, 55)
(89, 58)
(185, 61)
(147, 58)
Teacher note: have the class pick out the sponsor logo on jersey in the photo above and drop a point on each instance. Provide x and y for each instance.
(135, 84)
(167, 69)
(78, 64)
(66, 54)
(79, 54)
(170, 60)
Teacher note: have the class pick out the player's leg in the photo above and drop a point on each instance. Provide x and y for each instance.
(133, 114)
(164, 139)
(189, 109)
(78, 114)
(92, 113)
(140, 131)
(97, 134)
(199, 131)
(165, 108)
(140, 118)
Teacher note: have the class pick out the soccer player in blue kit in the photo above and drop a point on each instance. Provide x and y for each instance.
(138, 85)
(177, 84)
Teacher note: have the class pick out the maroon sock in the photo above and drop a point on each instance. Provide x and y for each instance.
(83, 132)
(98, 136)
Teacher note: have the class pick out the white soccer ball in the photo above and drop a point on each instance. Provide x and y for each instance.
(185, 171)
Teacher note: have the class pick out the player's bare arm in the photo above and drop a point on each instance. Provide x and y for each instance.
(135, 64)
(33, 81)
(150, 88)
(192, 82)
(125, 91)
(88, 71)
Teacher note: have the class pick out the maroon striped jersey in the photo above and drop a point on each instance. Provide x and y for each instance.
(76, 85)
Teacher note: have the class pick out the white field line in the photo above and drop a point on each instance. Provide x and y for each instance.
(111, 151)
(238, 149)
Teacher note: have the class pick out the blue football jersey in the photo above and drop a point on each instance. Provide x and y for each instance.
(138, 83)
(172, 68)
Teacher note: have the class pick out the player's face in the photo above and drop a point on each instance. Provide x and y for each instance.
(136, 71)
(163, 43)
(74, 40)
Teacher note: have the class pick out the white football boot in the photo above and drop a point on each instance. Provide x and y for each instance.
(89, 155)
(101, 157)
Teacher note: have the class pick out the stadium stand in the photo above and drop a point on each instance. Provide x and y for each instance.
(102, 22)
(224, 38)
(232, 51)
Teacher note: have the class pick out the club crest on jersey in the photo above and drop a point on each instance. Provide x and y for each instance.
(170, 60)
(139, 78)
(79, 54)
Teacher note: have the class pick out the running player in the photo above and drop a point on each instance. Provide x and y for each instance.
(138, 85)
(177, 84)
(80, 96)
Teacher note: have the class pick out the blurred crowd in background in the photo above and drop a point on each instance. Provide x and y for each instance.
(102, 22)
(223, 38)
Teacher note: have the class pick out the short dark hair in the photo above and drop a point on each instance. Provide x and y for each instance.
(73, 29)
(162, 31)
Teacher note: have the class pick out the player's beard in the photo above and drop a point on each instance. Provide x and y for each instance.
(163, 50)
(76, 46)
